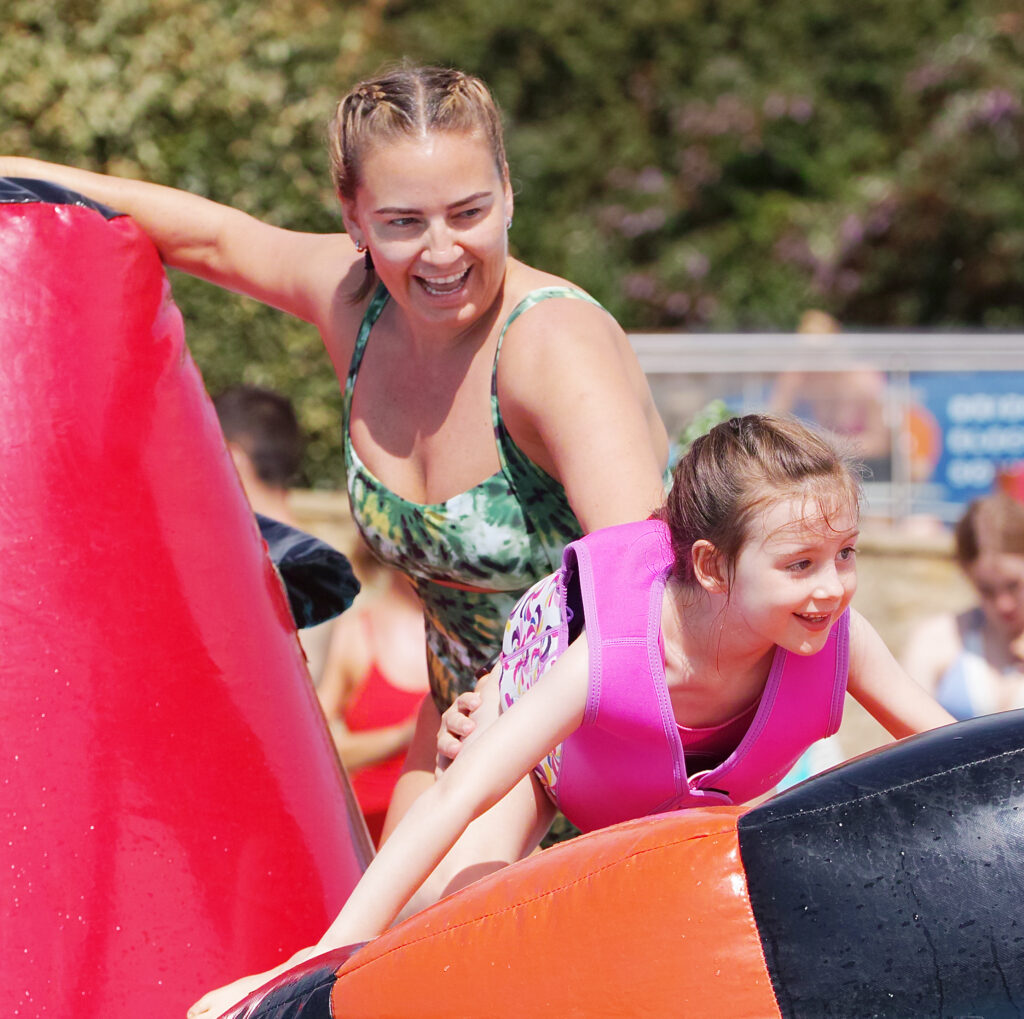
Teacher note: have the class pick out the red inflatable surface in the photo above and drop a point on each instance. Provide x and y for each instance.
(174, 813)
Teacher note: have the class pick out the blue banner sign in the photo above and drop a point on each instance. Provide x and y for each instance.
(964, 429)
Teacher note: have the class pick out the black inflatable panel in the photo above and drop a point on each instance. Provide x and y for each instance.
(15, 190)
(317, 578)
(894, 884)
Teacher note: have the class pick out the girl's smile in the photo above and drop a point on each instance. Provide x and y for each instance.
(797, 573)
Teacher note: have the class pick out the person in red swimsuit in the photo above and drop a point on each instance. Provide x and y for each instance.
(374, 680)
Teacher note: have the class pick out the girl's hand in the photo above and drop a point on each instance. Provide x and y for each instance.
(215, 1003)
(456, 726)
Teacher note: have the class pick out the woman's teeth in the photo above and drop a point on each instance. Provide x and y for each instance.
(441, 285)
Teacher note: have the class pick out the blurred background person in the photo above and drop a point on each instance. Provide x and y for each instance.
(266, 443)
(973, 661)
(849, 403)
(373, 683)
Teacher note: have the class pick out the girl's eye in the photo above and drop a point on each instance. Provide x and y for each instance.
(847, 553)
(800, 566)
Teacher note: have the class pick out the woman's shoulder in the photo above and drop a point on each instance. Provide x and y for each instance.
(540, 306)
(523, 282)
(339, 306)
(941, 630)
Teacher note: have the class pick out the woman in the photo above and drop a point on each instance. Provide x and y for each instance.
(973, 661)
(373, 682)
(466, 472)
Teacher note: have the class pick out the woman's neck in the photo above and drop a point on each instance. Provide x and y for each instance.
(449, 337)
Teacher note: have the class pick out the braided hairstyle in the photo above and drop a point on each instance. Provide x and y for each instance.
(743, 465)
(407, 101)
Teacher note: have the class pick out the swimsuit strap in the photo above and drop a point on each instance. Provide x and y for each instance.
(507, 449)
(373, 310)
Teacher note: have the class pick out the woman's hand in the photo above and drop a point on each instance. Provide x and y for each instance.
(456, 726)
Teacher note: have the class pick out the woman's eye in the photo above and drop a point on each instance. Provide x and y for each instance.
(402, 221)
(470, 213)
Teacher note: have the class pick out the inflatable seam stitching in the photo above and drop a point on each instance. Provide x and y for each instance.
(888, 791)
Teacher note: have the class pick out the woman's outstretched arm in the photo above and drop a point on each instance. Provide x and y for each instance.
(296, 272)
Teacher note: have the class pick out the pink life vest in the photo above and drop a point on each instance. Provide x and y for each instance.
(626, 760)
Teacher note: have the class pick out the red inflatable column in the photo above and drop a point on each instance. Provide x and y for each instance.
(174, 813)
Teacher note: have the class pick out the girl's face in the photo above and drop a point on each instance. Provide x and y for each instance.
(796, 573)
(433, 211)
(998, 578)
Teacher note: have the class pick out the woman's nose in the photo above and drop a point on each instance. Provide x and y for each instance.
(440, 245)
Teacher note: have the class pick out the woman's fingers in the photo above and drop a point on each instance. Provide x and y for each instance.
(456, 724)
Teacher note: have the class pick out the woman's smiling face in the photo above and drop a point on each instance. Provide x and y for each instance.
(433, 211)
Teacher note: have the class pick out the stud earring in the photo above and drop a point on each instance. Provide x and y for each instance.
(360, 247)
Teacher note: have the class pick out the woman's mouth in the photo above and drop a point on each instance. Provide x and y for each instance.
(444, 286)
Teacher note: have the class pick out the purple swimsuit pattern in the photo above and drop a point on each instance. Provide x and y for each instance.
(528, 649)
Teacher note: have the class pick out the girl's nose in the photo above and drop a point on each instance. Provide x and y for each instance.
(829, 585)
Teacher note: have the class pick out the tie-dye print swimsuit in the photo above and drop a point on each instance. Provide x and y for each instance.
(497, 539)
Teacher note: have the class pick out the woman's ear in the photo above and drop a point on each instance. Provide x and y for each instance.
(708, 567)
(351, 220)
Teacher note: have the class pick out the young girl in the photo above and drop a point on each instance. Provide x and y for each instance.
(973, 661)
(686, 660)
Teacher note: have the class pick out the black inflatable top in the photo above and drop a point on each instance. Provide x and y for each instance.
(22, 190)
(894, 885)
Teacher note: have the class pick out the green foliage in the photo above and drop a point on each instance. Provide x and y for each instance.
(226, 99)
(694, 164)
(706, 165)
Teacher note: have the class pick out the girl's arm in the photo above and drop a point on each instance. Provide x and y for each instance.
(879, 683)
(484, 771)
(575, 400)
(296, 272)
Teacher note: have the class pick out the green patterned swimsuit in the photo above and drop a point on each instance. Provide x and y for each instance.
(498, 538)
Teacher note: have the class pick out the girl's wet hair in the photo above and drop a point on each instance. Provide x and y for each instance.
(743, 465)
(994, 523)
(408, 101)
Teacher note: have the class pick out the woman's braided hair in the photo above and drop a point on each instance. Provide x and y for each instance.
(408, 101)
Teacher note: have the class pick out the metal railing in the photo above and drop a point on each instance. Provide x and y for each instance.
(921, 372)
